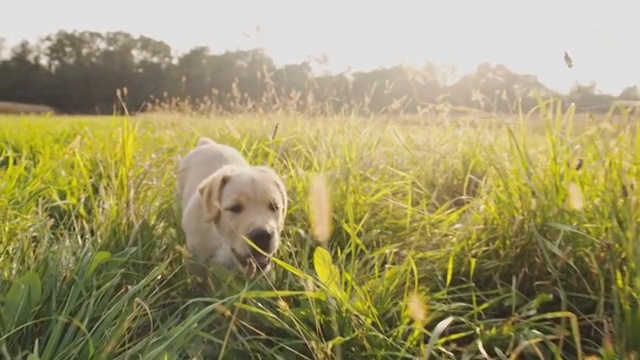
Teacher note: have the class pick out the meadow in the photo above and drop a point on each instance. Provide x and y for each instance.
(505, 238)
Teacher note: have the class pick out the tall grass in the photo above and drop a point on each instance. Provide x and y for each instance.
(515, 239)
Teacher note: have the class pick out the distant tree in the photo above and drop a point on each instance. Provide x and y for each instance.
(3, 46)
(22, 78)
(630, 93)
(586, 97)
(291, 84)
(196, 70)
(81, 72)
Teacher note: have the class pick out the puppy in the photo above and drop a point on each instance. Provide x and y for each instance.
(225, 202)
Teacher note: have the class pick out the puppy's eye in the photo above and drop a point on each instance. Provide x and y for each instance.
(237, 208)
(273, 206)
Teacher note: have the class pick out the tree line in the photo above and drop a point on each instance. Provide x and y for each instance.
(90, 72)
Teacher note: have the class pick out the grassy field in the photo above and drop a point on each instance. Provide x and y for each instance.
(493, 240)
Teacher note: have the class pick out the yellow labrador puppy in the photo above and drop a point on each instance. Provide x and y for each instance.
(225, 202)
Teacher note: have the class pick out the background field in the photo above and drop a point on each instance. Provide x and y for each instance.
(459, 239)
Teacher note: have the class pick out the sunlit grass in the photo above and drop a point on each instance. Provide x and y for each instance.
(403, 240)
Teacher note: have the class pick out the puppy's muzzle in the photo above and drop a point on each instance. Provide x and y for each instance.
(263, 239)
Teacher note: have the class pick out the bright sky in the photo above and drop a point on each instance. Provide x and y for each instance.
(526, 36)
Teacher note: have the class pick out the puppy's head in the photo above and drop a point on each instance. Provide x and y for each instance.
(246, 204)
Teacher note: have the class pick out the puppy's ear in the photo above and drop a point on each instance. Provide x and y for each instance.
(210, 190)
(279, 184)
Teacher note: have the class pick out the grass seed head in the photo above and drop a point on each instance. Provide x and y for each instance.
(418, 309)
(320, 209)
(576, 200)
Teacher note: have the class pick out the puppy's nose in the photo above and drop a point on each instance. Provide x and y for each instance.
(262, 239)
